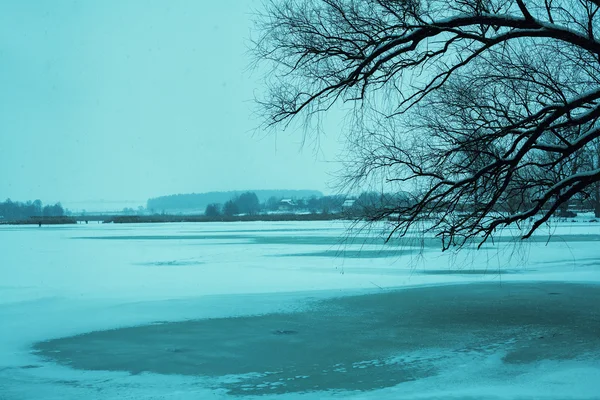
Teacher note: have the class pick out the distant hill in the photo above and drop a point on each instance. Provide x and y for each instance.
(199, 201)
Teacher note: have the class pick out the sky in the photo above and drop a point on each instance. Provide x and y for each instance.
(122, 100)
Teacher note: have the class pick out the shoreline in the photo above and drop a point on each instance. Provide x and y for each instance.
(153, 219)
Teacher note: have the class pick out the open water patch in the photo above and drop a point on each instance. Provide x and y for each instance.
(354, 343)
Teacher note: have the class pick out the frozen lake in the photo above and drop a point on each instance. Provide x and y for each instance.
(295, 310)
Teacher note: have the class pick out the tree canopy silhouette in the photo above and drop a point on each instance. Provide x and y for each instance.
(485, 110)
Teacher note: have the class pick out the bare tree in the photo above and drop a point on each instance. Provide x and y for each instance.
(590, 197)
(480, 108)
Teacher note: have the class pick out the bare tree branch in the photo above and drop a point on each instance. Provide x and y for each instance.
(485, 111)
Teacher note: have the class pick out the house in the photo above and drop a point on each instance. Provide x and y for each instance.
(348, 204)
(287, 205)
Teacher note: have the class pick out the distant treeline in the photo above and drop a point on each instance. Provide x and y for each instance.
(199, 201)
(363, 205)
(15, 210)
(248, 203)
(230, 204)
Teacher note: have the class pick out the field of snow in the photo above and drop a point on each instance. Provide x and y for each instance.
(57, 282)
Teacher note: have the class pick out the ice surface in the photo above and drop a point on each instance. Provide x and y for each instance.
(62, 281)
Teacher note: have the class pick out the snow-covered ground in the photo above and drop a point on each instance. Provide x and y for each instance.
(62, 281)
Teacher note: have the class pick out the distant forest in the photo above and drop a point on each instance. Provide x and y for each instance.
(13, 210)
(199, 201)
(248, 204)
(230, 204)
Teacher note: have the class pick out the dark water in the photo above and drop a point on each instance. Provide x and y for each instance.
(360, 254)
(355, 343)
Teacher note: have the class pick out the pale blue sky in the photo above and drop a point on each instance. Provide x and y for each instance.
(130, 99)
